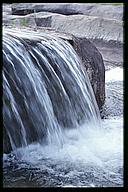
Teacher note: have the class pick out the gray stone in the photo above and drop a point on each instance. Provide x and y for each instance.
(111, 11)
(78, 25)
(93, 63)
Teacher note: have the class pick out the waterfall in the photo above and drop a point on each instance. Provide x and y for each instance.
(45, 89)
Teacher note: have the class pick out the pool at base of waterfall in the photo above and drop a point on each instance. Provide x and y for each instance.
(87, 159)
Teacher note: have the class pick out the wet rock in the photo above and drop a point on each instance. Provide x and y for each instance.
(93, 63)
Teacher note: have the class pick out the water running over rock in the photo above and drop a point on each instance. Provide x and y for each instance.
(51, 119)
(45, 90)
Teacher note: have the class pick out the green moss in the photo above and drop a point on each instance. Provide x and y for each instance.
(23, 22)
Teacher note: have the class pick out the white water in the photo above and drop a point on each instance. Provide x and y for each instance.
(86, 145)
(115, 74)
(86, 152)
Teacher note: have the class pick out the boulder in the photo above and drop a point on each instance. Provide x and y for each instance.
(93, 63)
(111, 11)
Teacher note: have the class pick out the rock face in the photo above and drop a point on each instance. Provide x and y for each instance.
(79, 25)
(92, 9)
(83, 26)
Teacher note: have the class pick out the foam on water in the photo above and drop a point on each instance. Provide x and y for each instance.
(89, 147)
(115, 74)
(88, 158)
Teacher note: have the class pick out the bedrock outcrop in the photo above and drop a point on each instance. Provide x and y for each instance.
(93, 9)
(91, 27)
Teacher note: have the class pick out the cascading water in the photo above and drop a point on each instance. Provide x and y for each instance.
(50, 113)
(45, 89)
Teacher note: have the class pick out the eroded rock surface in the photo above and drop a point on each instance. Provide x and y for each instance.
(79, 25)
(92, 9)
